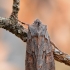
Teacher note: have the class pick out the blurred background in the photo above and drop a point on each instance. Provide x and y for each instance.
(54, 13)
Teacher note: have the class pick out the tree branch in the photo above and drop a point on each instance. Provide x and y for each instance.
(15, 8)
(14, 28)
(20, 32)
(61, 57)
(11, 24)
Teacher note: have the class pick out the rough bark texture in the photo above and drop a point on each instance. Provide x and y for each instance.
(11, 24)
(61, 57)
(39, 52)
(14, 28)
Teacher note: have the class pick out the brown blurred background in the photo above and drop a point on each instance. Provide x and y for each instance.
(54, 13)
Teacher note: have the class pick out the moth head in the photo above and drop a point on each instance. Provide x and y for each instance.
(37, 22)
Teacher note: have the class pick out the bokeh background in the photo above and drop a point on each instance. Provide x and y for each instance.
(54, 13)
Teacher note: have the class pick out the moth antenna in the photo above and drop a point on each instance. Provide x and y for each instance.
(21, 21)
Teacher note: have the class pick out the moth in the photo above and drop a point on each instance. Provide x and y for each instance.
(39, 52)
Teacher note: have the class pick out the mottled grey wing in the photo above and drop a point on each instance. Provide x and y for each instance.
(39, 49)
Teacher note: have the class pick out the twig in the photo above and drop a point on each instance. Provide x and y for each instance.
(61, 56)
